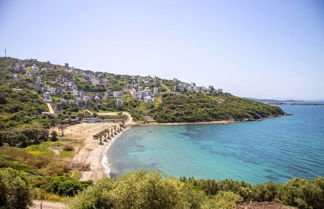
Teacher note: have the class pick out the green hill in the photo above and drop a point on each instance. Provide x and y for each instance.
(26, 85)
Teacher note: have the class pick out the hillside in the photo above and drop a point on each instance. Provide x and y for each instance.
(27, 85)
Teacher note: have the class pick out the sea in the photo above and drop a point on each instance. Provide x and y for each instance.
(275, 149)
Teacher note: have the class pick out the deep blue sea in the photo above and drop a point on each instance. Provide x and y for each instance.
(275, 149)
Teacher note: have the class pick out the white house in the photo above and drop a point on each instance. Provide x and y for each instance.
(15, 77)
(52, 90)
(63, 101)
(155, 90)
(86, 98)
(117, 94)
(148, 99)
(28, 73)
(119, 102)
(141, 94)
(97, 99)
(75, 93)
(47, 97)
(35, 68)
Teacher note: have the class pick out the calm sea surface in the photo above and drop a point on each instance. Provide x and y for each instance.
(274, 149)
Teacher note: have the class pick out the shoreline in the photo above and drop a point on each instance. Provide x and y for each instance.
(104, 158)
(203, 122)
(95, 155)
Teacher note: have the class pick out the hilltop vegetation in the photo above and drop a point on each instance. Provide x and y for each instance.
(202, 107)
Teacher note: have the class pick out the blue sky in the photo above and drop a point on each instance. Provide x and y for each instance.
(263, 49)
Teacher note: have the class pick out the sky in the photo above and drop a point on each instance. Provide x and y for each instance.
(251, 48)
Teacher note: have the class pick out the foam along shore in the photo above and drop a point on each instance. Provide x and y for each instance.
(104, 158)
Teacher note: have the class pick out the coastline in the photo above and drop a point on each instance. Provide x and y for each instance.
(96, 155)
(104, 158)
(203, 122)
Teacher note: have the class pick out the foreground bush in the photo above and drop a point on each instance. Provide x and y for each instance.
(15, 191)
(139, 190)
(146, 190)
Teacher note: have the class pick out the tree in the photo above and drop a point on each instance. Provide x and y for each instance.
(146, 190)
(92, 197)
(302, 193)
(15, 189)
(54, 136)
(62, 128)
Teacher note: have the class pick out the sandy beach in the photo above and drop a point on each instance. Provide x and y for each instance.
(92, 153)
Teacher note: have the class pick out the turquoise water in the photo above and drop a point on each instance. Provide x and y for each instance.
(274, 149)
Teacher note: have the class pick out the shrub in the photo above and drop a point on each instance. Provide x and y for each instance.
(68, 147)
(66, 186)
(223, 200)
(302, 193)
(54, 168)
(15, 189)
(54, 136)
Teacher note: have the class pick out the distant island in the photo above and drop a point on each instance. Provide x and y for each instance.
(287, 102)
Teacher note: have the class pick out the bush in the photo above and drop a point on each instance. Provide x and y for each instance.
(66, 186)
(223, 200)
(92, 197)
(303, 193)
(55, 168)
(54, 136)
(15, 189)
(68, 147)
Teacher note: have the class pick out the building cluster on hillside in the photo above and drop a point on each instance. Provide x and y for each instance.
(192, 87)
(140, 88)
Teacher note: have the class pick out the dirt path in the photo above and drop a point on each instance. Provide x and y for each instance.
(37, 204)
(50, 109)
